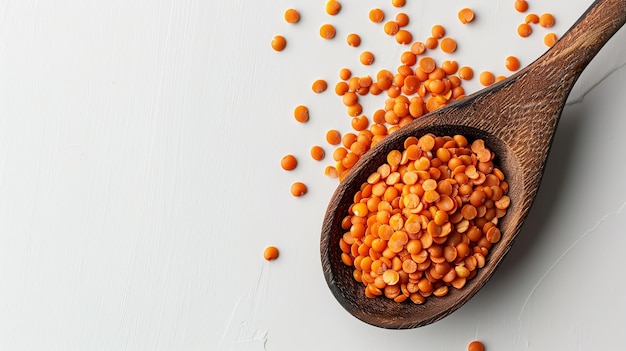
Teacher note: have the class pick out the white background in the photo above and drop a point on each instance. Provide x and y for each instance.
(140, 182)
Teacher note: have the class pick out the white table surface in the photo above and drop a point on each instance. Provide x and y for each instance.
(140, 180)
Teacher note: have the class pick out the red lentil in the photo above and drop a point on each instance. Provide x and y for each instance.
(288, 162)
(353, 39)
(475, 346)
(333, 7)
(270, 253)
(546, 20)
(301, 113)
(327, 31)
(317, 153)
(512, 63)
(279, 43)
(292, 16)
(402, 224)
(376, 15)
(466, 15)
(550, 39)
(298, 189)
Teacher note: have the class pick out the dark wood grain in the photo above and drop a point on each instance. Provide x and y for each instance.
(517, 119)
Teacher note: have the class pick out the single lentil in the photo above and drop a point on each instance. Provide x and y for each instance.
(292, 16)
(550, 39)
(376, 15)
(475, 346)
(333, 7)
(327, 31)
(301, 113)
(288, 162)
(298, 189)
(279, 43)
(353, 39)
(317, 153)
(270, 253)
(319, 86)
(466, 15)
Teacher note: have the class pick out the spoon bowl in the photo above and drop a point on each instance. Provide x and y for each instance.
(516, 118)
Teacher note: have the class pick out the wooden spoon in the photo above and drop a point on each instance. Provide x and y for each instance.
(517, 119)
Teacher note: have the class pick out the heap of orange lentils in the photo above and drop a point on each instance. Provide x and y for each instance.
(417, 86)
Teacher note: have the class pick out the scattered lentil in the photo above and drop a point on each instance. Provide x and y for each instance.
(546, 20)
(292, 16)
(301, 113)
(376, 15)
(279, 43)
(366, 58)
(317, 153)
(288, 162)
(353, 39)
(298, 189)
(521, 5)
(512, 63)
(475, 346)
(524, 30)
(466, 15)
(319, 86)
(270, 253)
(333, 7)
(550, 39)
(327, 31)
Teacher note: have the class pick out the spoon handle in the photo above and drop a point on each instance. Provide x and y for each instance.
(583, 41)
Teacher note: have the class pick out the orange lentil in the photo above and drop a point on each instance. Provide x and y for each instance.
(270, 253)
(376, 15)
(301, 113)
(353, 39)
(292, 16)
(546, 20)
(288, 162)
(391, 27)
(450, 67)
(418, 48)
(298, 189)
(333, 7)
(550, 39)
(317, 153)
(456, 234)
(448, 45)
(333, 137)
(466, 15)
(404, 37)
(366, 58)
(475, 346)
(345, 73)
(319, 86)
(521, 5)
(341, 88)
(359, 123)
(327, 31)
(427, 64)
(524, 30)
(431, 42)
(486, 78)
(512, 63)
(466, 73)
(408, 58)
(531, 18)
(402, 19)
(437, 31)
(279, 43)
(398, 3)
